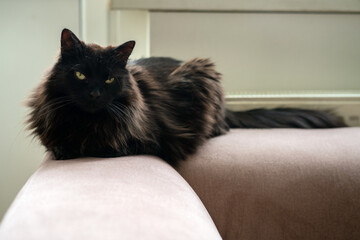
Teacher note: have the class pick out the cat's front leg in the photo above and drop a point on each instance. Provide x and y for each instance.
(64, 153)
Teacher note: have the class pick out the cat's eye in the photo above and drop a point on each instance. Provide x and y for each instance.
(111, 80)
(79, 75)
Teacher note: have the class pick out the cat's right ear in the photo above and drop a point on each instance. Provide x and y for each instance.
(69, 42)
(123, 51)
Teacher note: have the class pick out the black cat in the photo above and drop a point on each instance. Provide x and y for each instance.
(96, 103)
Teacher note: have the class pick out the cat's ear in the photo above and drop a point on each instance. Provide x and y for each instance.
(123, 51)
(69, 41)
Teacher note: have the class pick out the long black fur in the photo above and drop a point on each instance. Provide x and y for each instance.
(283, 118)
(157, 106)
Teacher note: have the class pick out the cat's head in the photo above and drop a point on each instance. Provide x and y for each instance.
(90, 75)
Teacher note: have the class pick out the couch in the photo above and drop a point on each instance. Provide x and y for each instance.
(248, 184)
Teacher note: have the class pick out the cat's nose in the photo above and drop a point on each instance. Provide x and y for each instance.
(95, 94)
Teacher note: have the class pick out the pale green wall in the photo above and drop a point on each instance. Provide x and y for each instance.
(130, 25)
(266, 52)
(29, 43)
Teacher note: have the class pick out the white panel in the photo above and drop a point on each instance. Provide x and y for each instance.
(128, 25)
(30, 41)
(262, 52)
(94, 21)
(240, 5)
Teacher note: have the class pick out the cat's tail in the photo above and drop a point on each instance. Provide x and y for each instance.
(283, 118)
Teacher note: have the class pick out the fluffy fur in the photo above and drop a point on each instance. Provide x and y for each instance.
(157, 106)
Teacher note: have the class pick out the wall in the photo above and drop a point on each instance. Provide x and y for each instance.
(29, 43)
(266, 52)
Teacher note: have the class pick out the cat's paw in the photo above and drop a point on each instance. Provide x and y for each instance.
(61, 153)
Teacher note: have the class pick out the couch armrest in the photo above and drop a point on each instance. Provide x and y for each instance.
(280, 183)
(137, 197)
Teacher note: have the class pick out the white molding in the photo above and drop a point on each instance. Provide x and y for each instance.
(350, 6)
(294, 98)
(82, 20)
(94, 21)
(281, 95)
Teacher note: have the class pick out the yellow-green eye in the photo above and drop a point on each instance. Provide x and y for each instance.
(111, 80)
(80, 76)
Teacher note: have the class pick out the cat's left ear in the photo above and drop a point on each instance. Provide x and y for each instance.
(69, 41)
(123, 51)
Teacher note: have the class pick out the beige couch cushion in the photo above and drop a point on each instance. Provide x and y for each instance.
(118, 198)
(280, 184)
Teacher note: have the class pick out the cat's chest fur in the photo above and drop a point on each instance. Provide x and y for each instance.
(101, 136)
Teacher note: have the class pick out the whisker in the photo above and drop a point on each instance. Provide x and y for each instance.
(120, 108)
(114, 113)
(51, 107)
(120, 112)
(55, 103)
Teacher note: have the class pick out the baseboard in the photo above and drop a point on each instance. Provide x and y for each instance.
(345, 105)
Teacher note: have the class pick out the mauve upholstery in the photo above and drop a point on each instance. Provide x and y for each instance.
(280, 183)
(256, 184)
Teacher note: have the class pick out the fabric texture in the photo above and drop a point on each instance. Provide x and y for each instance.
(256, 184)
(116, 198)
(281, 183)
